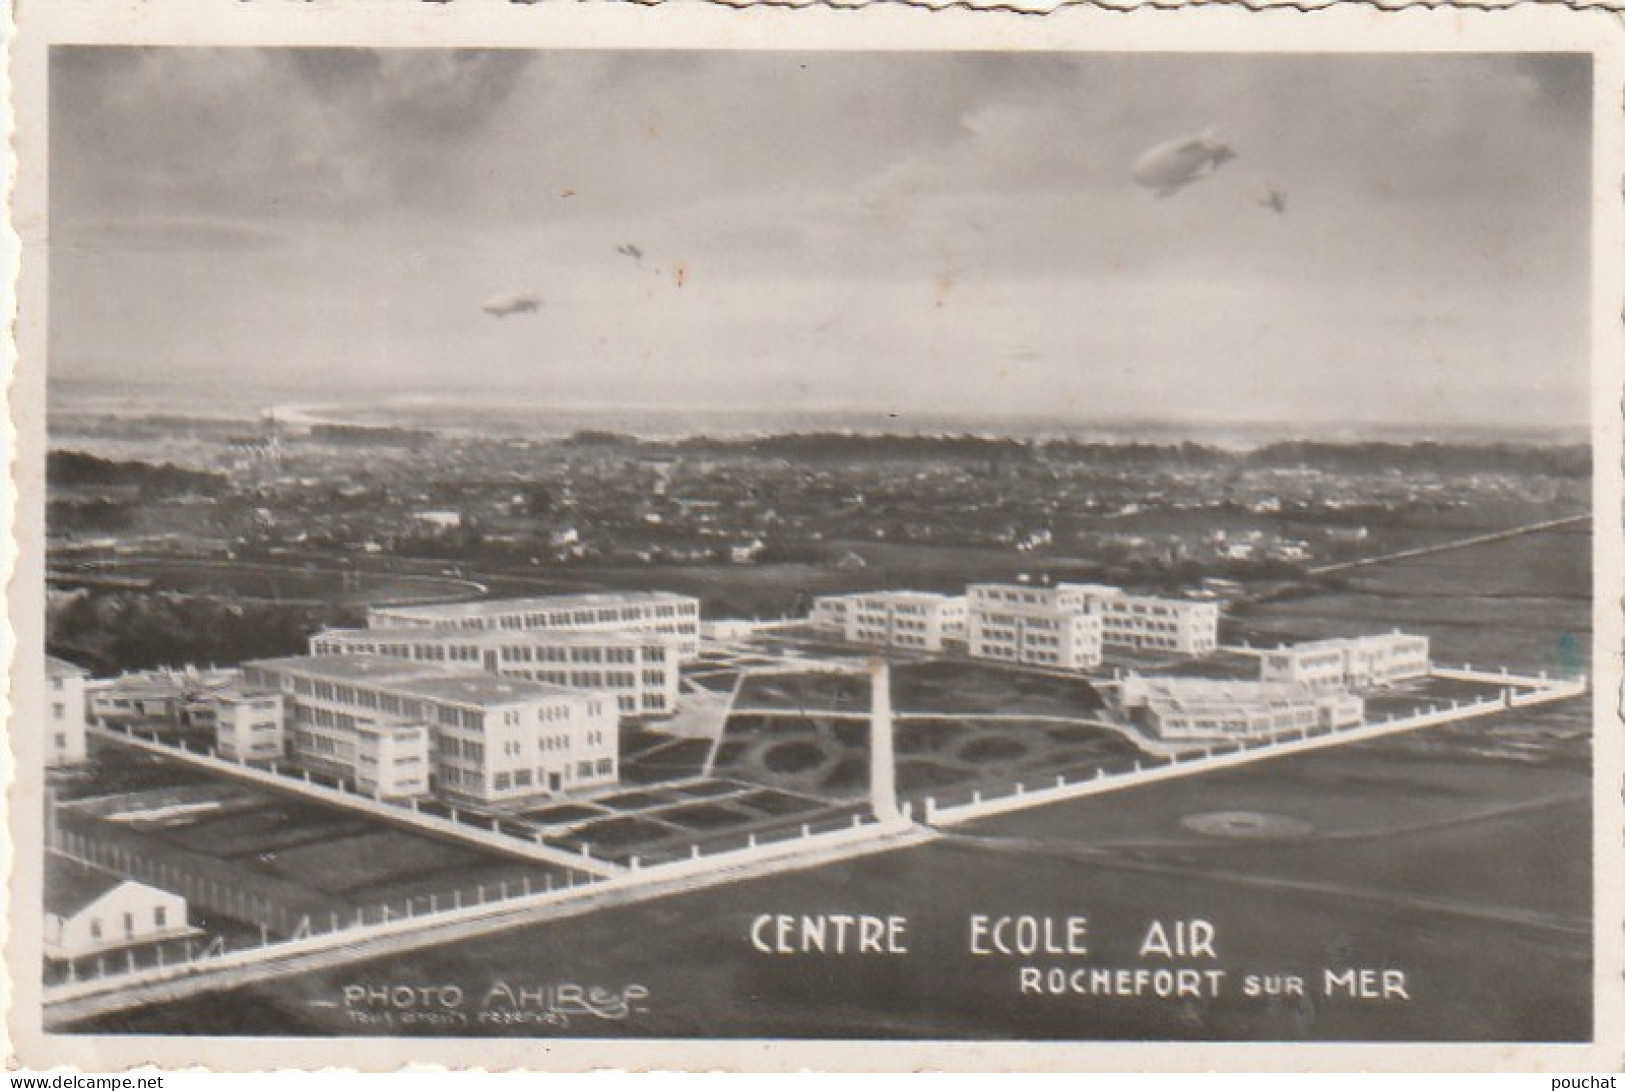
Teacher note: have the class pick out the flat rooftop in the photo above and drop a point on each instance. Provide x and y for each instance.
(241, 694)
(1223, 690)
(923, 597)
(1096, 590)
(359, 668)
(458, 683)
(406, 633)
(61, 668)
(1332, 643)
(1323, 644)
(493, 607)
(484, 690)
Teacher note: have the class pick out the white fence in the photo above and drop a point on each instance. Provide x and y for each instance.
(1542, 683)
(344, 935)
(406, 813)
(330, 933)
(1060, 788)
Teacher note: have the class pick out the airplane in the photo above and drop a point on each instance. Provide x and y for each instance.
(1169, 167)
(504, 305)
(1276, 200)
(630, 251)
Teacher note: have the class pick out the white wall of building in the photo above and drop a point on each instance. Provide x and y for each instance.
(65, 712)
(393, 760)
(1152, 622)
(249, 726)
(1363, 662)
(913, 620)
(660, 613)
(130, 913)
(1037, 626)
(488, 741)
(1192, 709)
(643, 670)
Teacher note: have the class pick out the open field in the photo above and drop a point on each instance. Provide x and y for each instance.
(1523, 603)
(113, 770)
(292, 583)
(665, 759)
(765, 590)
(1367, 887)
(953, 687)
(971, 688)
(233, 849)
(666, 820)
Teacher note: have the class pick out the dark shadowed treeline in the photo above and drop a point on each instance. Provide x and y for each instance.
(76, 469)
(107, 632)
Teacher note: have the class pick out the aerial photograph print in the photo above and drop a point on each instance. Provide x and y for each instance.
(823, 545)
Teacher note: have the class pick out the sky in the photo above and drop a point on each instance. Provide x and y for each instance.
(952, 233)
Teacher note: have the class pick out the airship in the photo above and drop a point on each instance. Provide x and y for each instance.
(1171, 166)
(504, 305)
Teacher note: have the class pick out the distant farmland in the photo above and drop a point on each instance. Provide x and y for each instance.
(291, 584)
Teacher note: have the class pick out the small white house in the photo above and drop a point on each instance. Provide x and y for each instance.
(439, 520)
(89, 912)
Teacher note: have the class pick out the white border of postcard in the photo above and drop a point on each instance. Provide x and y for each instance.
(1353, 28)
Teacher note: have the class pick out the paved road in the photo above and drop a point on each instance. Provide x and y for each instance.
(1460, 543)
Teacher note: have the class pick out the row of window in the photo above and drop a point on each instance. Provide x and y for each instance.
(1118, 625)
(603, 615)
(521, 778)
(160, 919)
(309, 742)
(379, 700)
(324, 717)
(470, 750)
(525, 653)
(407, 760)
(462, 748)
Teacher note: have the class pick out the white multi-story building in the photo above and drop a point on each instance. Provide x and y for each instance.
(1151, 622)
(651, 612)
(1201, 709)
(1040, 626)
(642, 670)
(918, 620)
(65, 712)
(401, 727)
(177, 696)
(393, 760)
(1361, 662)
(1022, 623)
(248, 724)
(829, 611)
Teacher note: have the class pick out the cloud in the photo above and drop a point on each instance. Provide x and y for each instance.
(433, 94)
(1559, 82)
(269, 134)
